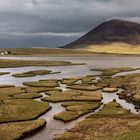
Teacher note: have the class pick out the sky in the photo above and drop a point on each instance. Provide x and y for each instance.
(54, 23)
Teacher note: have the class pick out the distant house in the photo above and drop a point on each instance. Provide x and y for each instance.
(2, 53)
(5, 53)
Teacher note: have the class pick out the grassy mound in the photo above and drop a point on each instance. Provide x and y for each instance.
(113, 71)
(85, 87)
(17, 130)
(76, 109)
(73, 95)
(7, 63)
(28, 96)
(3, 73)
(88, 79)
(6, 86)
(8, 92)
(42, 84)
(111, 123)
(39, 89)
(21, 110)
(69, 81)
(33, 73)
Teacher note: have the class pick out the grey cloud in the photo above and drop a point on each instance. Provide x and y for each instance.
(62, 18)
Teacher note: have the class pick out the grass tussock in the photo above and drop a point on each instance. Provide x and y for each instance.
(73, 95)
(39, 89)
(9, 92)
(17, 130)
(44, 83)
(3, 73)
(112, 122)
(113, 71)
(27, 96)
(33, 73)
(21, 110)
(76, 109)
(85, 87)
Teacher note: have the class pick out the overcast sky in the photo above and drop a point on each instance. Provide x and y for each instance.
(53, 23)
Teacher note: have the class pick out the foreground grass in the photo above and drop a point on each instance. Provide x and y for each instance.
(111, 123)
(76, 109)
(21, 110)
(17, 130)
(7, 91)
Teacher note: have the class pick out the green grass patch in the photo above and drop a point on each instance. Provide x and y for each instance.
(39, 89)
(88, 79)
(113, 71)
(21, 110)
(111, 123)
(7, 63)
(85, 87)
(18, 130)
(69, 81)
(8, 92)
(72, 95)
(27, 96)
(42, 84)
(33, 73)
(67, 116)
(3, 73)
(76, 109)
(111, 109)
(6, 86)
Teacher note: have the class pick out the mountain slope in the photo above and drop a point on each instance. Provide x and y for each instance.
(117, 32)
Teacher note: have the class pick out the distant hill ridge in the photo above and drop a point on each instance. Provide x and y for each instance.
(118, 31)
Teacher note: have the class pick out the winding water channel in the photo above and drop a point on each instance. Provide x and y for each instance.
(54, 126)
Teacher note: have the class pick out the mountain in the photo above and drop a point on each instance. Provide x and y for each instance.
(110, 32)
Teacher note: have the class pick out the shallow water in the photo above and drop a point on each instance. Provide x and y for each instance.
(66, 72)
(54, 126)
(93, 61)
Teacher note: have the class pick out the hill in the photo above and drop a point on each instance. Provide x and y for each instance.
(109, 36)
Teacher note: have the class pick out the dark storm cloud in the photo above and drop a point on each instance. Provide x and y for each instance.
(56, 22)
